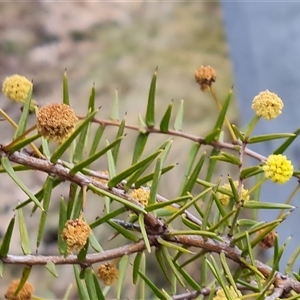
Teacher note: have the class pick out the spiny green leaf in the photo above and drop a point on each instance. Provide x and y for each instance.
(155, 182)
(287, 143)
(25, 275)
(266, 205)
(50, 266)
(144, 233)
(162, 262)
(112, 170)
(98, 290)
(120, 134)
(90, 283)
(118, 178)
(153, 287)
(249, 172)
(115, 116)
(150, 112)
(66, 144)
(7, 238)
(96, 139)
(123, 266)
(268, 137)
(62, 246)
(187, 277)
(83, 251)
(66, 99)
(172, 266)
(165, 121)
(214, 135)
(92, 99)
(91, 159)
(23, 143)
(139, 147)
(48, 187)
(82, 291)
(239, 133)
(126, 233)
(159, 205)
(94, 243)
(191, 159)
(136, 266)
(179, 117)
(25, 243)
(10, 171)
(173, 246)
(109, 216)
(188, 187)
(24, 117)
(222, 115)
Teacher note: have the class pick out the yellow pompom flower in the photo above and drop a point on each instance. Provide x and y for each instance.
(267, 104)
(220, 295)
(278, 168)
(225, 199)
(16, 87)
(24, 294)
(76, 233)
(108, 273)
(56, 121)
(141, 195)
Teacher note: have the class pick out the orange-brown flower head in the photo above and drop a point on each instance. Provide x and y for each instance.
(56, 121)
(108, 273)
(268, 240)
(24, 294)
(76, 233)
(140, 195)
(205, 76)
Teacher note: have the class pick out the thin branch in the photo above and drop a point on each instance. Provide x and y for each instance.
(90, 259)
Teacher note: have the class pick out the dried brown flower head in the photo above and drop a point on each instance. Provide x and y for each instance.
(269, 239)
(108, 273)
(141, 195)
(56, 121)
(24, 294)
(76, 233)
(205, 76)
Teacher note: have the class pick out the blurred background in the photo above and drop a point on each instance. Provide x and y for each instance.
(114, 45)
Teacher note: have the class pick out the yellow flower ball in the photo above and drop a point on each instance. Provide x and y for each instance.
(225, 199)
(267, 105)
(278, 168)
(141, 195)
(16, 87)
(220, 295)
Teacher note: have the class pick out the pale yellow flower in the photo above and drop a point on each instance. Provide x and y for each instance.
(220, 295)
(278, 168)
(140, 195)
(267, 105)
(225, 199)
